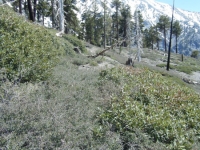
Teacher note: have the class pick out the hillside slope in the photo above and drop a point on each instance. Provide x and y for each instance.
(99, 103)
(187, 70)
(63, 112)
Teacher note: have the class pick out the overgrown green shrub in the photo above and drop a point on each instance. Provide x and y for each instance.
(93, 63)
(76, 42)
(195, 54)
(27, 51)
(63, 44)
(161, 108)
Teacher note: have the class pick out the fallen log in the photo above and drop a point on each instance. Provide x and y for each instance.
(108, 48)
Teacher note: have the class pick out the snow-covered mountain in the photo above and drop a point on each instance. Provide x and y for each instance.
(151, 11)
(190, 21)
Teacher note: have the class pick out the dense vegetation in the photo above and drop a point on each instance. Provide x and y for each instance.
(23, 55)
(161, 108)
(69, 106)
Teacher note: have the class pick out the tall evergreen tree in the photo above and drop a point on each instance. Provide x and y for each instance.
(116, 4)
(53, 15)
(164, 25)
(150, 37)
(176, 31)
(71, 20)
(104, 21)
(153, 34)
(158, 38)
(141, 21)
(146, 37)
(125, 15)
(43, 9)
(88, 20)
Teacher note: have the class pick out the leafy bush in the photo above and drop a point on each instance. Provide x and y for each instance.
(76, 42)
(93, 63)
(195, 54)
(63, 44)
(28, 52)
(161, 108)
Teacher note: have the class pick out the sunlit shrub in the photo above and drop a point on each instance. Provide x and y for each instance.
(76, 42)
(27, 51)
(165, 110)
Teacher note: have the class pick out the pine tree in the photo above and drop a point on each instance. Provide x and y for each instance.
(164, 25)
(153, 35)
(43, 9)
(70, 15)
(158, 38)
(141, 21)
(116, 4)
(125, 15)
(104, 22)
(89, 27)
(53, 15)
(146, 41)
(176, 31)
(150, 37)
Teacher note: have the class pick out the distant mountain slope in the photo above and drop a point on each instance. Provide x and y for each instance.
(151, 10)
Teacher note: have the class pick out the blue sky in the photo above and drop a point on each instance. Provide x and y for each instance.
(191, 5)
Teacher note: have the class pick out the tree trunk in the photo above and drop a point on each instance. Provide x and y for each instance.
(35, 4)
(165, 39)
(61, 22)
(20, 6)
(43, 19)
(117, 23)
(104, 44)
(157, 40)
(53, 12)
(170, 40)
(31, 16)
(176, 45)
(182, 57)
